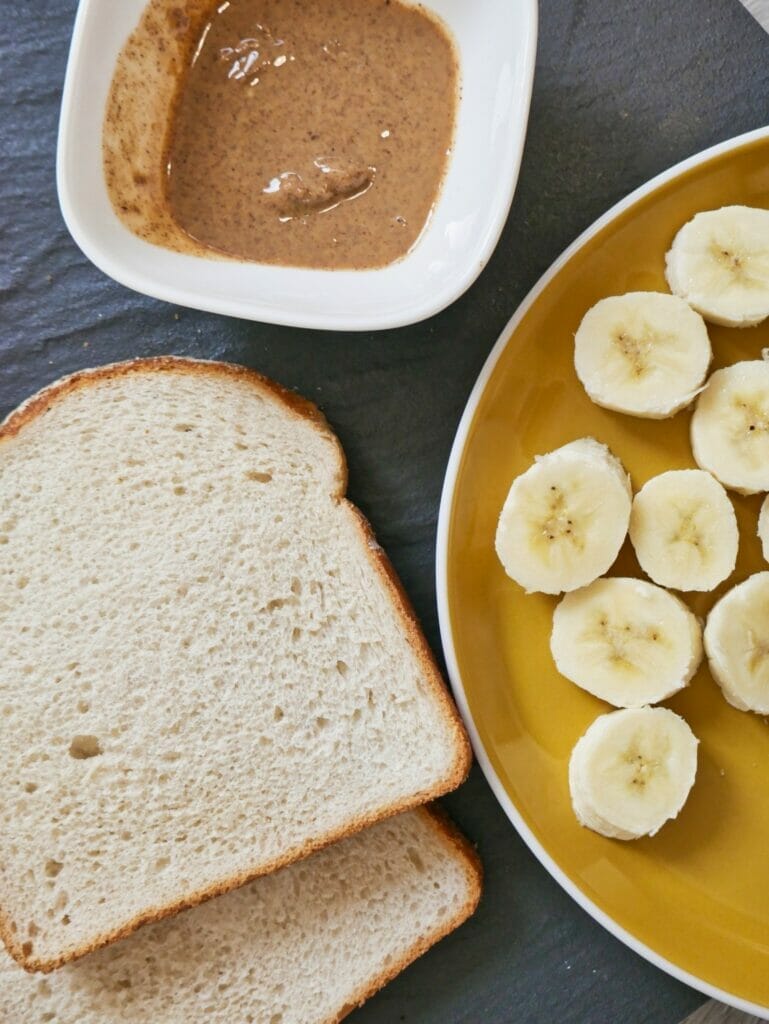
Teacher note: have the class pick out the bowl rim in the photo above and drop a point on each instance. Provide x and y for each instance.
(131, 275)
(442, 589)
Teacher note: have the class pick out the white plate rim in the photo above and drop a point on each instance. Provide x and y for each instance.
(441, 576)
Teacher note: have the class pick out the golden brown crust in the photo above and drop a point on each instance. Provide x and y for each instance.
(37, 406)
(38, 403)
(474, 874)
(416, 638)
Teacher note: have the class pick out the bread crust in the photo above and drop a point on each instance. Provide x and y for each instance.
(471, 862)
(37, 405)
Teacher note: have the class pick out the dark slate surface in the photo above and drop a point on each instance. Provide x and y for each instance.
(623, 89)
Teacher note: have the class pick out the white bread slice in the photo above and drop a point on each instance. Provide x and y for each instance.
(307, 944)
(207, 667)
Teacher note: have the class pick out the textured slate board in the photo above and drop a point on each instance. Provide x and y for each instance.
(623, 89)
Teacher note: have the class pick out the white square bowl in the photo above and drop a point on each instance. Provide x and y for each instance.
(497, 49)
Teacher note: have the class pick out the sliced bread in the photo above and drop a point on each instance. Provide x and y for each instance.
(305, 945)
(207, 667)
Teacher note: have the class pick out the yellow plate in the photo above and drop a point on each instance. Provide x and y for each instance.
(694, 899)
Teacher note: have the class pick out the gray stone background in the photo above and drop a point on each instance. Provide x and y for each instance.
(622, 90)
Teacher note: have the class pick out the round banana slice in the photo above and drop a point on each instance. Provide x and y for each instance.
(730, 427)
(719, 263)
(632, 771)
(565, 518)
(763, 528)
(626, 641)
(684, 530)
(737, 644)
(643, 353)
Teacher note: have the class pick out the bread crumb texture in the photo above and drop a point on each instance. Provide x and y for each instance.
(301, 946)
(205, 671)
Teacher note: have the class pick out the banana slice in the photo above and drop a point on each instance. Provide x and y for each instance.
(737, 644)
(565, 518)
(643, 353)
(684, 530)
(632, 771)
(763, 528)
(719, 263)
(730, 426)
(626, 641)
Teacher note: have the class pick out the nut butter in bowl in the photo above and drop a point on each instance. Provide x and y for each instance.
(342, 164)
(312, 135)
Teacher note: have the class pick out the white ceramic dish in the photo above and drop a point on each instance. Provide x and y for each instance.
(497, 44)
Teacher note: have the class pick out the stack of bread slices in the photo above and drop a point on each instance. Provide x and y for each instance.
(211, 685)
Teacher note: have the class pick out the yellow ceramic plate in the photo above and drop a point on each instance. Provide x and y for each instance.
(695, 899)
